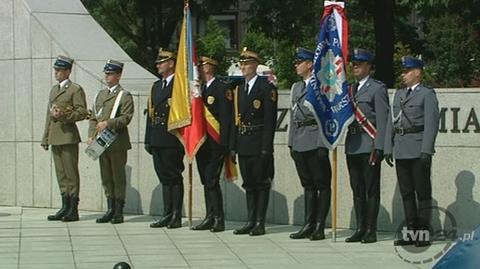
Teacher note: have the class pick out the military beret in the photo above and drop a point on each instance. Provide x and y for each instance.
(207, 60)
(362, 55)
(303, 55)
(411, 62)
(63, 62)
(112, 66)
(164, 55)
(248, 56)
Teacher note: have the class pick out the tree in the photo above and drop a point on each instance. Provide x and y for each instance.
(142, 26)
(212, 44)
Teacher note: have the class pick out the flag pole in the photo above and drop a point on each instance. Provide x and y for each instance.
(190, 194)
(334, 198)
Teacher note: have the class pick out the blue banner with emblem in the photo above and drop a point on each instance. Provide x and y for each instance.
(327, 92)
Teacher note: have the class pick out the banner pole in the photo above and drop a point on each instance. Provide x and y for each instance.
(190, 194)
(334, 196)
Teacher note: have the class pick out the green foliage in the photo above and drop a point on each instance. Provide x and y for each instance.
(212, 44)
(453, 50)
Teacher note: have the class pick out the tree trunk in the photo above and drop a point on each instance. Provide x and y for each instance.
(384, 41)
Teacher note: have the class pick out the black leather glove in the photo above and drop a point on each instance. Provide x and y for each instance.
(379, 154)
(389, 159)
(148, 149)
(426, 159)
(233, 156)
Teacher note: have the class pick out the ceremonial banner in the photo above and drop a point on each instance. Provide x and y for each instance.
(327, 92)
(186, 119)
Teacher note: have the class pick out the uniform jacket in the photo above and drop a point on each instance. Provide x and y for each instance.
(259, 107)
(156, 133)
(372, 99)
(420, 108)
(71, 100)
(302, 138)
(218, 100)
(103, 107)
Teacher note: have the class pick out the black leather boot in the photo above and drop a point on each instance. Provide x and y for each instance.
(167, 208)
(250, 197)
(360, 215)
(410, 209)
(110, 210)
(217, 206)
(72, 214)
(118, 212)
(207, 222)
(424, 228)
(261, 212)
(373, 204)
(177, 205)
(63, 210)
(310, 196)
(323, 206)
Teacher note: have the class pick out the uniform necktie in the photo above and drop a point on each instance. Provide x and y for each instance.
(246, 88)
(409, 91)
(164, 84)
(355, 88)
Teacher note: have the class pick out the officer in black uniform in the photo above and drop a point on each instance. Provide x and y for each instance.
(211, 155)
(364, 145)
(166, 149)
(255, 109)
(309, 154)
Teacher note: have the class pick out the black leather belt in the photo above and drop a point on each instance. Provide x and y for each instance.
(409, 130)
(159, 120)
(247, 129)
(309, 122)
(355, 129)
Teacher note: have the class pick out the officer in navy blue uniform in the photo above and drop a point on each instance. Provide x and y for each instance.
(166, 149)
(211, 155)
(364, 153)
(255, 109)
(309, 154)
(410, 138)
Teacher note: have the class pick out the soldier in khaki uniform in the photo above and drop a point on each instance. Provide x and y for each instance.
(114, 158)
(66, 106)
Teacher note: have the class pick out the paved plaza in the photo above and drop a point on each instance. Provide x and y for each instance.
(29, 241)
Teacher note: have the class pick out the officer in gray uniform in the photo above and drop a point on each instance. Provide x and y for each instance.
(364, 145)
(410, 136)
(309, 154)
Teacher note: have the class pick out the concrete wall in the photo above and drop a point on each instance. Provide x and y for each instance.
(34, 32)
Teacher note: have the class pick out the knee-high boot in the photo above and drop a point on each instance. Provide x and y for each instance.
(250, 197)
(218, 214)
(207, 222)
(261, 212)
(360, 215)
(177, 205)
(310, 196)
(167, 208)
(323, 206)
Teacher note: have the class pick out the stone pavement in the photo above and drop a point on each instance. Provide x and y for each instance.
(29, 241)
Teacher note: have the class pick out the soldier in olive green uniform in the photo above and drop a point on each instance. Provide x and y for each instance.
(114, 158)
(66, 106)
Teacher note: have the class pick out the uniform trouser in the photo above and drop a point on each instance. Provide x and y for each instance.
(313, 168)
(210, 163)
(168, 164)
(415, 187)
(364, 178)
(112, 170)
(257, 171)
(65, 158)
